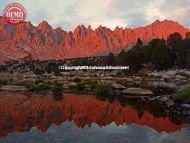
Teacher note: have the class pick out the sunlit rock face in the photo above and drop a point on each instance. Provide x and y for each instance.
(20, 113)
(26, 42)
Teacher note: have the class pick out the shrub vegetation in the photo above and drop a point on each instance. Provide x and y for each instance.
(183, 94)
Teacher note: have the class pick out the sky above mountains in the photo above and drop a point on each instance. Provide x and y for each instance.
(111, 13)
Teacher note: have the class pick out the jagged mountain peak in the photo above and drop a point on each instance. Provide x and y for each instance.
(47, 43)
(44, 25)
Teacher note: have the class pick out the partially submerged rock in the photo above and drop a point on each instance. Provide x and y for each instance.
(117, 86)
(13, 88)
(164, 85)
(168, 74)
(137, 91)
(185, 73)
(72, 85)
(185, 106)
(186, 112)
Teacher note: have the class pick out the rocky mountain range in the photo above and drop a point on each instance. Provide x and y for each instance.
(28, 42)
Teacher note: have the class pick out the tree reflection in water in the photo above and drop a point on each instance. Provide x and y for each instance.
(19, 113)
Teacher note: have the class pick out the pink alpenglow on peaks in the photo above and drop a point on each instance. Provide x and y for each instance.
(23, 41)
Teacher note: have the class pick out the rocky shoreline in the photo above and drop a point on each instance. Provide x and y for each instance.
(150, 87)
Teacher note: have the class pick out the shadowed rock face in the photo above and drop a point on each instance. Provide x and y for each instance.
(25, 41)
(20, 112)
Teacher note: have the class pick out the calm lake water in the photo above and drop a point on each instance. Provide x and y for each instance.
(26, 118)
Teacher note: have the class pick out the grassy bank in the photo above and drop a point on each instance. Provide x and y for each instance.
(183, 94)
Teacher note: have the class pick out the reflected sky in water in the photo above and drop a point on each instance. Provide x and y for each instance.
(83, 119)
(68, 132)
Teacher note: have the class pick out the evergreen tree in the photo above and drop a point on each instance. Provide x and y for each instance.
(139, 43)
(111, 61)
(187, 35)
(174, 40)
(160, 56)
(133, 59)
(186, 44)
(145, 54)
(122, 58)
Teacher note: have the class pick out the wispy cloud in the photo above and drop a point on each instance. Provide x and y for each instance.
(111, 13)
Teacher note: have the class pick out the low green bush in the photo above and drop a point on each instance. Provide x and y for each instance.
(77, 80)
(11, 80)
(3, 82)
(102, 89)
(81, 86)
(30, 86)
(57, 90)
(38, 87)
(93, 84)
(39, 81)
(183, 94)
(43, 86)
(58, 87)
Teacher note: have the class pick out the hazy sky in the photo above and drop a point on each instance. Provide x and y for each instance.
(111, 13)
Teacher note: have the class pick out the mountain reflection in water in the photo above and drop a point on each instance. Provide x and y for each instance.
(81, 119)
